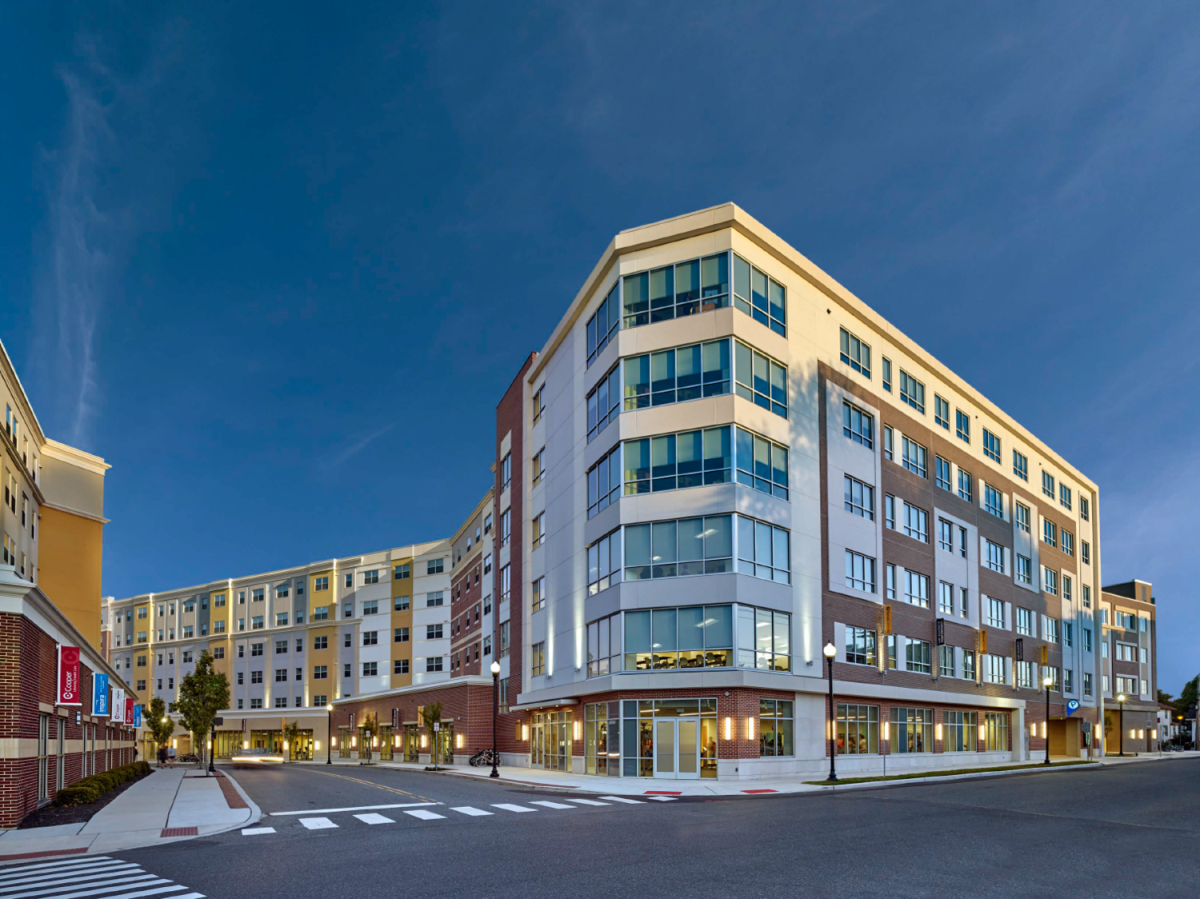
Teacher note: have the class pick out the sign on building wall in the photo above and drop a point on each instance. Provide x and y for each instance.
(118, 706)
(99, 694)
(69, 691)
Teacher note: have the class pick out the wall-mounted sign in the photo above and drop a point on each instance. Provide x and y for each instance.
(1072, 706)
(69, 690)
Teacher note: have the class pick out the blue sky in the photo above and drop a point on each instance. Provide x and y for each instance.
(277, 262)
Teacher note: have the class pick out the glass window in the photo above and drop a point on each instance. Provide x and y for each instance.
(855, 353)
(991, 445)
(858, 425)
(677, 375)
(1020, 466)
(760, 379)
(912, 391)
(916, 523)
(604, 562)
(993, 501)
(942, 474)
(857, 729)
(964, 485)
(962, 425)
(759, 296)
(761, 464)
(763, 550)
(1021, 516)
(859, 498)
(941, 412)
(673, 462)
(995, 556)
(860, 572)
(887, 374)
(960, 731)
(775, 727)
(996, 731)
(912, 730)
(603, 324)
(916, 588)
(914, 457)
(604, 402)
(604, 479)
(682, 548)
(860, 646)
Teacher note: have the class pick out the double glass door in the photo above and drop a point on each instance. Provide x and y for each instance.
(677, 748)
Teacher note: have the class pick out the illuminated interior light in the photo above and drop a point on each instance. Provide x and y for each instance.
(728, 728)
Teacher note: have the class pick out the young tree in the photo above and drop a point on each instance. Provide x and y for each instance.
(291, 736)
(1165, 698)
(370, 728)
(202, 694)
(432, 714)
(161, 727)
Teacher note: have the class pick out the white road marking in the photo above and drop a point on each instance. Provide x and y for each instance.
(623, 799)
(424, 815)
(509, 807)
(655, 798)
(120, 883)
(256, 831)
(151, 882)
(20, 870)
(373, 818)
(469, 810)
(72, 874)
(548, 804)
(353, 808)
(588, 802)
(317, 823)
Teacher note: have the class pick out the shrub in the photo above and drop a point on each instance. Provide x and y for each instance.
(91, 788)
(78, 794)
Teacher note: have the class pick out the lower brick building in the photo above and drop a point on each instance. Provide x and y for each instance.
(45, 746)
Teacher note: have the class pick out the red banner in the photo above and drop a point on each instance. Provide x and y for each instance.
(68, 676)
(129, 711)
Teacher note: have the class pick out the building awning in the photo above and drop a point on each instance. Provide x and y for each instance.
(548, 704)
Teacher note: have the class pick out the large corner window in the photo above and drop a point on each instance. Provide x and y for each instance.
(669, 639)
(677, 461)
(689, 546)
(761, 464)
(604, 402)
(758, 295)
(674, 291)
(603, 325)
(760, 379)
(677, 375)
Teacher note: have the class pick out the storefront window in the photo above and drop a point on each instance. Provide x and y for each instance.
(673, 738)
(774, 727)
(602, 738)
(996, 732)
(912, 730)
(857, 729)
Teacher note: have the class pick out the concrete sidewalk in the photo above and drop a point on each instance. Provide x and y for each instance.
(637, 786)
(171, 804)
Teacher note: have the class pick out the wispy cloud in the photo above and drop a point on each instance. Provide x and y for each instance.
(358, 446)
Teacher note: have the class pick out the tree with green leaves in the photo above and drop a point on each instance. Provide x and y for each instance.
(1165, 698)
(291, 739)
(370, 729)
(431, 715)
(202, 694)
(1188, 695)
(161, 727)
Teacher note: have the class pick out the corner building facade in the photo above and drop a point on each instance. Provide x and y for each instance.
(722, 461)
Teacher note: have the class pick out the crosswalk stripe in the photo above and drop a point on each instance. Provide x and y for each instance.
(88, 873)
(423, 815)
(255, 831)
(471, 811)
(317, 823)
(622, 799)
(509, 807)
(372, 818)
(660, 798)
(10, 873)
(588, 802)
(139, 895)
(136, 883)
(548, 804)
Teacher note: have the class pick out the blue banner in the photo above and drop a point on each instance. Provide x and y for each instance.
(100, 694)
(137, 715)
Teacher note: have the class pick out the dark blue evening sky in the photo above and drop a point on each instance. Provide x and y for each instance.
(277, 262)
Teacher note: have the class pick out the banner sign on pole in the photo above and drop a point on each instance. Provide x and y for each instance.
(128, 710)
(118, 706)
(100, 695)
(69, 692)
(137, 714)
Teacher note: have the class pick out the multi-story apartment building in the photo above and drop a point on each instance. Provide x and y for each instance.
(1129, 665)
(51, 524)
(293, 641)
(722, 465)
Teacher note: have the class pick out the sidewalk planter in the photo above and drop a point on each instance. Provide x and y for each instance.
(89, 789)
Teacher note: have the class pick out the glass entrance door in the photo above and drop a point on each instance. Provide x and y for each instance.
(677, 748)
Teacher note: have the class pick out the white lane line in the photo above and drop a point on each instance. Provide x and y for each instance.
(89, 873)
(65, 863)
(509, 807)
(588, 802)
(470, 810)
(119, 883)
(255, 831)
(622, 799)
(548, 804)
(424, 815)
(150, 881)
(372, 818)
(353, 808)
(317, 823)
(657, 798)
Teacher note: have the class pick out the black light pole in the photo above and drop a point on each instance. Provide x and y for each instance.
(1047, 681)
(212, 748)
(1121, 700)
(831, 651)
(495, 711)
(329, 736)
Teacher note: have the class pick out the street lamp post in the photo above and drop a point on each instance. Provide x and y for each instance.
(212, 749)
(1047, 681)
(1121, 702)
(329, 735)
(831, 651)
(495, 712)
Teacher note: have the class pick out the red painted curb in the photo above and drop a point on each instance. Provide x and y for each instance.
(663, 793)
(760, 791)
(46, 854)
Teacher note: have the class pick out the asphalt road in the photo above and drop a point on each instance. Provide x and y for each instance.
(1130, 831)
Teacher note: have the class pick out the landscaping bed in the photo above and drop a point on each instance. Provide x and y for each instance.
(77, 803)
